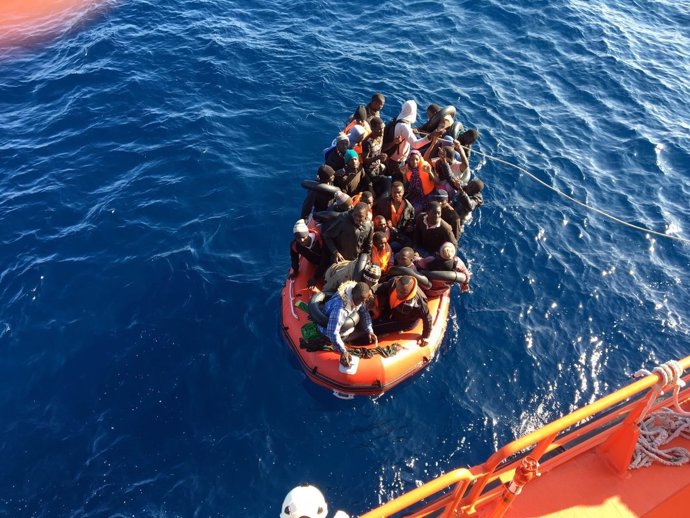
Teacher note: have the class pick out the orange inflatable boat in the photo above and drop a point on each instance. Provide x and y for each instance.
(375, 368)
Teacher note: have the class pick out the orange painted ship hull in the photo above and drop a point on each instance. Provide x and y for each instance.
(583, 460)
(23, 21)
(374, 375)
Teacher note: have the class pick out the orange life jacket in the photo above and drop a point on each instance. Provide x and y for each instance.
(393, 299)
(428, 184)
(383, 258)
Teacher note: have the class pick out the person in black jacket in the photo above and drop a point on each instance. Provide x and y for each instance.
(318, 200)
(469, 198)
(350, 234)
(308, 245)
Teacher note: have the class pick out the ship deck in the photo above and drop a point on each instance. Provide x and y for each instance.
(588, 486)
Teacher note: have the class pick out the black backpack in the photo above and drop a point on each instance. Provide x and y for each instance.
(389, 135)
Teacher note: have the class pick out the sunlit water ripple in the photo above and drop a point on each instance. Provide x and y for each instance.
(151, 160)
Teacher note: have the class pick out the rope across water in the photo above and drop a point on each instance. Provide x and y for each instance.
(582, 204)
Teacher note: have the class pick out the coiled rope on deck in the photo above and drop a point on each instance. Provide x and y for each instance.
(660, 428)
(582, 204)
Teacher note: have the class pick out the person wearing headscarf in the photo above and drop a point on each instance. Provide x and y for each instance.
(404, 139)
(420, 180)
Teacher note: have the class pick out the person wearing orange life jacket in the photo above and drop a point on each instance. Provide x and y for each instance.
(399, 304)
(420, 179)
(381, 252)
(399, 215)
(365, 197)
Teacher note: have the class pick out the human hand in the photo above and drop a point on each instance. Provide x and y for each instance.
(383, 157)
(345, 359)
(423, 342)
(373, 339)
(311, 282)
(339, 257)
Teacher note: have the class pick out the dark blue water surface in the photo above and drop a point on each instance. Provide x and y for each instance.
(150, 161)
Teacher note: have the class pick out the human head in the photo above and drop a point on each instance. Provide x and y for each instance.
(342, 142)
(367, 197)
(408, 112)
(349, 155)
(360, 113)
(474, 187)
(300, 230)
(377, 101)
(304, 501)
(371, 274)
(380, 240)
(397, 191)
(469, 137)
(359, 213)
(432, 110)
(447, 153)
(380, 223)
(356, 135)
(433, 212)
(447, 251)
(326, 174)
(404, 257)
(414, 159)
(377, 126)
(441, 196)
(404, 286)
(360, 292)
(341, 201)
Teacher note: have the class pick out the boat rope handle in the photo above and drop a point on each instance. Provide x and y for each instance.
(581, 203)
(343, 395)
(661, 427)
(292, 299)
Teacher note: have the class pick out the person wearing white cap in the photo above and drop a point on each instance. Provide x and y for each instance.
(307, 244)
(306, 501)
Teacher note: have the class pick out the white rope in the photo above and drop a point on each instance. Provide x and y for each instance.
(583, 204)
(660, 428)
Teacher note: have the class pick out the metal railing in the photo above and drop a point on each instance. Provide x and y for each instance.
(609, 424)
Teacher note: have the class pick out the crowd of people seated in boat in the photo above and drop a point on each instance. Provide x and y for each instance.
(390, 200)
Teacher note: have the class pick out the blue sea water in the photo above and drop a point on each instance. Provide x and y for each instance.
(150, 160)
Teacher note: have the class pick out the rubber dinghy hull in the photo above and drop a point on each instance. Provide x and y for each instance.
(370, 376)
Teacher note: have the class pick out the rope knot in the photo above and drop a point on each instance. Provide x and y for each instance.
(670, 373)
